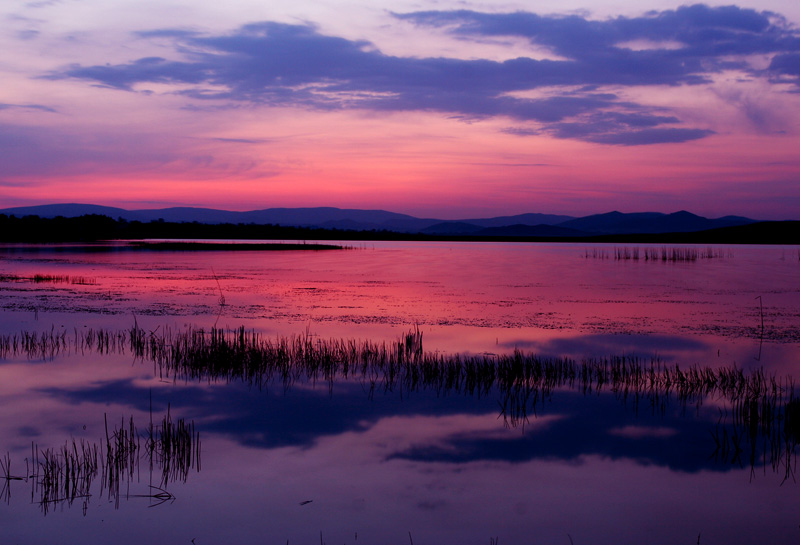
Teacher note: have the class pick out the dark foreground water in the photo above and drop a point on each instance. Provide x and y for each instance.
(383, 455)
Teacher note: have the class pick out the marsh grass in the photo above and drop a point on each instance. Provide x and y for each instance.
(49, 278)
(662, 254)
(61, 475)
(760, 410)
(757, 402)
(49, 344)
(174, 446)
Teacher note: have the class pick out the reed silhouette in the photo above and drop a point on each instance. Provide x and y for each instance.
(759, 411)
(662, 254)
(69, 473)
(40, 278)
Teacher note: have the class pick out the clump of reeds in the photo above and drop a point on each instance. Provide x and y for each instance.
(596, 253)
(758, 402)
(7, 476)
(63, 474)
(121, 461)
(35, 345)
(175, 447)
(49, 344)
(523, 381)
(663, 254)
(40, 278)
(83, 280)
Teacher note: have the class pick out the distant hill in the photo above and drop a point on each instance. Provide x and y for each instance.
(520, 219)
(529, 231)
(522, 225)
(473, 226)
(327, 217)
(650, 222)
(451, 228)
(96, 227)
(71, 210)
(324, 217)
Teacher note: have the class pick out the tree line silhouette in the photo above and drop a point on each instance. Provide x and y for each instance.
(94, 227)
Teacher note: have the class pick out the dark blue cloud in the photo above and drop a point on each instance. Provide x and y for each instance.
(702, 31)
(34, 107)
(273, 417)
(603, 344)
(649, 136)
(786, 67)
(585, 426)
(786, 64)
(280, 64)
(149, 69)
(687, 44)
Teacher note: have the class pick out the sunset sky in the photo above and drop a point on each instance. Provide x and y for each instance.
(435, 108)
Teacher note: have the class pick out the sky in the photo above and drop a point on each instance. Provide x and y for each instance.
(435, 108)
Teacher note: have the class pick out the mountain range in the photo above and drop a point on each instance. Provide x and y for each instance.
(532, 225)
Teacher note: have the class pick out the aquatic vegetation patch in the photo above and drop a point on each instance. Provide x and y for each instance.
(49, 278)
(62, 475)
(662, 254)
(760, 409)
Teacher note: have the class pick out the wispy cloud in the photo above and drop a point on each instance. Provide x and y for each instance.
(35, 107)
(28, 34)
(242, 140)
(576, 96)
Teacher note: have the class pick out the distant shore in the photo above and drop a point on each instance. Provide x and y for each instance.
(95, 228)
(169, 245)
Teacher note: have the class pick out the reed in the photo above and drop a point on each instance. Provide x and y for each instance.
(47, 345)
(40, 278)
(757, 402)
(523, 382)
(662, 254)
(175, 447)
(62, 475)
(596, 253)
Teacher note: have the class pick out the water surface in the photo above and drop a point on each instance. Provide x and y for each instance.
(350, 461)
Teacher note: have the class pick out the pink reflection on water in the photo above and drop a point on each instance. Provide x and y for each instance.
(466, 298)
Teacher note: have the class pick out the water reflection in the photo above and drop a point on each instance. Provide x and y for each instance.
(468, 440)
(493, 291)
(685, 419)
(668, 347)
(79, 469)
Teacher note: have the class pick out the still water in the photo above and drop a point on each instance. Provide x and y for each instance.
(364, 459)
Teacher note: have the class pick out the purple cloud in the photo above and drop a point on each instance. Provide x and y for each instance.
(704, 32)
(280, 64)
(34, 107)
(786, 67)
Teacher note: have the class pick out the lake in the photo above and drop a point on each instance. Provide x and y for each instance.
(400, 392)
